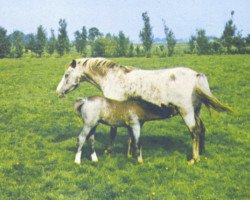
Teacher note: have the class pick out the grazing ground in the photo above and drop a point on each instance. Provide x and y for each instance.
(38, 134)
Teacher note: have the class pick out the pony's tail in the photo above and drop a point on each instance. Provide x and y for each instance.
(203, 92)
(78, 104)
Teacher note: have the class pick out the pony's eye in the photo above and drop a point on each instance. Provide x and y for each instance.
(66, 75)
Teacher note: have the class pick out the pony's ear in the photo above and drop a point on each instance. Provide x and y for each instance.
(73, 64)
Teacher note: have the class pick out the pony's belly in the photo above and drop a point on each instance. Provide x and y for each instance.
(115, 123)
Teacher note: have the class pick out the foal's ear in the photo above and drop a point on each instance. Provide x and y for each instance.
(73, 64)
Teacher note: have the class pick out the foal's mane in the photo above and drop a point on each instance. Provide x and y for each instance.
(101, 66)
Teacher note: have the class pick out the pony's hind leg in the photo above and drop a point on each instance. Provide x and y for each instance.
(113, 132)
(202, 131)
(138, 149)
(194, 129)
(130, 143)
(81, 139)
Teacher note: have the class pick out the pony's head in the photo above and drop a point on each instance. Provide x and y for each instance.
(70, 79)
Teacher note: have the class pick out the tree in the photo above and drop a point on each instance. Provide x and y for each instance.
(52, 42)
(99, 47)
(239, 43)
(30, 42)
(146, 34)
(17, 41)
(192, 44)
(122, 44)
(5, 44)
(81, 40)
(228, 34)
(215, 47)
(170, 38)
(247, 39)
(131, 50)
(138, 51)
(63, 40)
(94, 33)
(202, 42)
(40, 40)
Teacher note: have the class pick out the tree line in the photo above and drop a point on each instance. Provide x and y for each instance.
(92, 42)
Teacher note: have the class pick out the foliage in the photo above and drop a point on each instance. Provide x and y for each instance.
(62, 40)
(38, 134)
(146, 34)
(5, 44)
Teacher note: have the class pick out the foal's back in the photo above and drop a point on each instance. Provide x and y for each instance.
(122, 113)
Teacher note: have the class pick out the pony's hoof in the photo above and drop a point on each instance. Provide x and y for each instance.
(191, 162)
(108, 151)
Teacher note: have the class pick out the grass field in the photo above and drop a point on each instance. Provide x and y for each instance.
(38, 134)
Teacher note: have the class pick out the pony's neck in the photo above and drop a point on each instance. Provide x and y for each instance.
(92, 78)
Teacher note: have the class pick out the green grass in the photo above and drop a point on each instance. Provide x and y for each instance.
(38, 134)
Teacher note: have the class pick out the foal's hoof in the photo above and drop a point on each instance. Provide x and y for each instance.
(94, 157)
(130, 155)
(140, 160)
(77, 162)
(192, 161)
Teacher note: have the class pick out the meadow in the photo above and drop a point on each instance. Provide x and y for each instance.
(38, 134)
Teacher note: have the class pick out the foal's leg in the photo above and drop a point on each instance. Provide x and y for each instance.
(113, 132)
(91, 139)
(138, 149)
(130, 142)
(82, 137)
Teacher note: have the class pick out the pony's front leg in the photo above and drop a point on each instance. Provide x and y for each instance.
(81, 139)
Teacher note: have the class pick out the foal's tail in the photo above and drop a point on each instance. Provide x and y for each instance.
(203, 92)
(78, 104)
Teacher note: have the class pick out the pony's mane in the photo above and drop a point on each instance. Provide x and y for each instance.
(101, 65)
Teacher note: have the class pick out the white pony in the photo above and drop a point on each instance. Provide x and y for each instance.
(180, 86)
